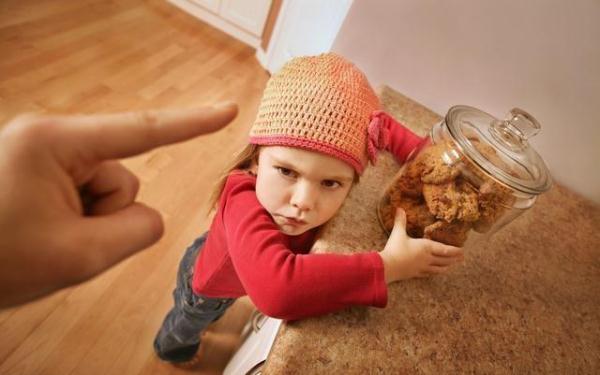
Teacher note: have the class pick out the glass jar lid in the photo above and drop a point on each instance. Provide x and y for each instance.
(501, 147)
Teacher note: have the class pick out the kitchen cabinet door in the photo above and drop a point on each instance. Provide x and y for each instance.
(255, 349)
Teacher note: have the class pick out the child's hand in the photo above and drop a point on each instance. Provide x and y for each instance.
(405, 257)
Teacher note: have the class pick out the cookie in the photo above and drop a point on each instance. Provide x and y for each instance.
(417, 216)
(454, 233)
(387, 213)
(494, 201)
(409, 182)
(433, 165)
(442, 200)
(468, 201)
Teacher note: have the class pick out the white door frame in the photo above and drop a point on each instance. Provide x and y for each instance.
(328, 16)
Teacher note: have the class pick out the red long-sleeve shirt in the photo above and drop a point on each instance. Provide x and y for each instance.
(245, 253)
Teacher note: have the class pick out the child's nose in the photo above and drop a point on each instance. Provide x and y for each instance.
(304, 196)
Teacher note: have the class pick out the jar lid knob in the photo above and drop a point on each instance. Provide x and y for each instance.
(516, 129)
(525, 124)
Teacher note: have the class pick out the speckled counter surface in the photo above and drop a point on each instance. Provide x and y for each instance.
(527, 302)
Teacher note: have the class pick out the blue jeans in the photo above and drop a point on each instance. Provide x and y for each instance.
(191, 313)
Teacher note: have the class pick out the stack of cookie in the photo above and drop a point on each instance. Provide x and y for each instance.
(444, 201)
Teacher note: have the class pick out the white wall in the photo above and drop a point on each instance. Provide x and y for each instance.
(539, 55)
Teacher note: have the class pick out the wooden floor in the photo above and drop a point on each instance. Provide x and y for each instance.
(90, 56)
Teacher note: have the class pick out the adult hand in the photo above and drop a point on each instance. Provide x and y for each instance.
(67, 207)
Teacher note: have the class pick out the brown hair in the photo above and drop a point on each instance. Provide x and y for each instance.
(243, 160)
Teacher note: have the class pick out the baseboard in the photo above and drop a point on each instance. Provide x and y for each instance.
(214, 20)
(262, 58)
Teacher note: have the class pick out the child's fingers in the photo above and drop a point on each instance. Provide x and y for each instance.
(445, 261)
(432, 270)
(437, 270)
(446, 251)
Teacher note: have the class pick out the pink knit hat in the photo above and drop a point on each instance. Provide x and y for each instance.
(322, 103)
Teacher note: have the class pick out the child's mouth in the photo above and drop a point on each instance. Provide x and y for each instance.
(291, 221)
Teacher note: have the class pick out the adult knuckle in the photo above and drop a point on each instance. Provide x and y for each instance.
(147, 117)
(30, 127)
(149, 121)
(156, 226)
(129, 181)
(25, 118)
(133, 183)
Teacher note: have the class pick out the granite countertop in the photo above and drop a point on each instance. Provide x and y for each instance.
(527, 301)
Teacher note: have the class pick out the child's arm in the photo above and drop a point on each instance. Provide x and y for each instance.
(292, 286)
(402, 140)
(405, 257)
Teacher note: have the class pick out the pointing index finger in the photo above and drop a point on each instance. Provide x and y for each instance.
(115, 136)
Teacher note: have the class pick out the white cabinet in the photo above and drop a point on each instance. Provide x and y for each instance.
(252, 354)
(242, 19)
(212, 5)
(249, 15)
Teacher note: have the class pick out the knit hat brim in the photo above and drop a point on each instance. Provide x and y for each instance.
(310, 145)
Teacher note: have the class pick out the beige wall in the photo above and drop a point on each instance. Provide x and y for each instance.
(540, 55)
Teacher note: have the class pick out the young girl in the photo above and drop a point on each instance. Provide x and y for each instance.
(318, 124)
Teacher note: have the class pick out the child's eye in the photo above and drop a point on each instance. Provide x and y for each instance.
(286, 172)
(331, 184)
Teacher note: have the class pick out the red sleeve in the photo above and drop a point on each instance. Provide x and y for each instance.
(291, 286)
(402, 140)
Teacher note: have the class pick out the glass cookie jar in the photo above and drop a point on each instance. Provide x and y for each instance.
(471, 176)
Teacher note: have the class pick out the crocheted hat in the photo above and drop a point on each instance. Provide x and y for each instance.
(321, 103)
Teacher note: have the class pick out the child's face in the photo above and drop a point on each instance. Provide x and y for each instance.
(301, 189)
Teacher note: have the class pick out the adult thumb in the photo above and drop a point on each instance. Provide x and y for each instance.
(111, 238)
